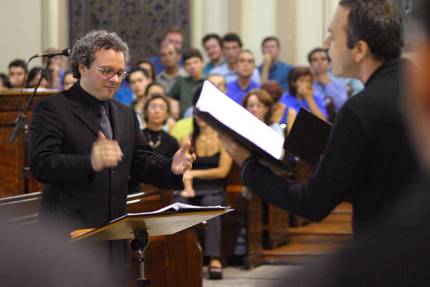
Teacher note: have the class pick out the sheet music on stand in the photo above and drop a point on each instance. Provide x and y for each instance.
(165, 221)
(226, 116)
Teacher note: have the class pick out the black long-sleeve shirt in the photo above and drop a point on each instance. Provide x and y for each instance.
(367, 160)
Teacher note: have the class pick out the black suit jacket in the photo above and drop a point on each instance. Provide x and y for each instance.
(62, 132)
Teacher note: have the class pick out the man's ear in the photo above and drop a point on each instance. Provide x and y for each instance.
(82, 68)
(360, 51)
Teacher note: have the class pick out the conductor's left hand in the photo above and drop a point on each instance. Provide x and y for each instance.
(183, 159)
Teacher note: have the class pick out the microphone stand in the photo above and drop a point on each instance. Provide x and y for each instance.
(20, 123)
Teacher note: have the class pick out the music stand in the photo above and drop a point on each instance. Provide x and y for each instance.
(140, 227)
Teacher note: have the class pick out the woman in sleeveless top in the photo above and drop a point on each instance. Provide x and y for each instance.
(205, 185)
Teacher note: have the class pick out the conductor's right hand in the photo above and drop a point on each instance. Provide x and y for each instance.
(105, 153)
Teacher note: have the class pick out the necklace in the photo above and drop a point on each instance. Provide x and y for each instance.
(153, 143)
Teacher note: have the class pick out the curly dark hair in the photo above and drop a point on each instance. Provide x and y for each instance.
(85, 48)
(378, 23)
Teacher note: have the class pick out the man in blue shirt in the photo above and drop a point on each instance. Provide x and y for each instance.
(245, 66)
(174, 36)
(213, 47)
(324, 84)
(272, 68)
(231, 47)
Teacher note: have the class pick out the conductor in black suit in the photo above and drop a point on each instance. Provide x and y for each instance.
(85, 146)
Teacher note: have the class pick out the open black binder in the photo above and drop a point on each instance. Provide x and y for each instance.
(226, 116)
(308, 137)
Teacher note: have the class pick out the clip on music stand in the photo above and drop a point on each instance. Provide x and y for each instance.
(140, 227)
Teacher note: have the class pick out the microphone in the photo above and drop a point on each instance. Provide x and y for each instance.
(65, 52)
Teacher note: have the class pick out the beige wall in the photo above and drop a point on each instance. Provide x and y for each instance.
(30, 26)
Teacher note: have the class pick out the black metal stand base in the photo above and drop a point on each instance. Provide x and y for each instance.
(139, 244)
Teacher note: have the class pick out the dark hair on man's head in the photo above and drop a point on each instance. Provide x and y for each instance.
(210, 36)
(231, 37)
(152, 72)
(317, 50)
(271, 38)
(18, 63)
(378, 23)
(191, 53)
(295, 74)
(136, 70)
(85, 48)
(173, 29)
(5, 80)
(420, 12)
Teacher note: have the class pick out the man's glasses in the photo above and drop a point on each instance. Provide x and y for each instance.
(109, 72)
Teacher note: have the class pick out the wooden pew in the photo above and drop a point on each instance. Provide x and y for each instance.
(13, 155)
(171, 261)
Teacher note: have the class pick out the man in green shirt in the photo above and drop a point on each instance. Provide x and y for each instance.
(185, 87)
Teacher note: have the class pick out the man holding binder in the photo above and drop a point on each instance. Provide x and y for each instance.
(368, 158)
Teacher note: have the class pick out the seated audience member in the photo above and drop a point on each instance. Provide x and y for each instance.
(17, 71)
(138, 80)
(184, 88)
(324, 84)
(280, 113)
(205, 185)
(260, 104)
(34, 76)
(301, 94)
(184, 127)
(4, 82)
(213, 47)
(149, 67)
(171, 58)
(68, 80)
(272, 68)
(156, 112)
(218, 81)
(55, 69)
(173, 35)
(155, 88)
(231, 47)
(245, 66)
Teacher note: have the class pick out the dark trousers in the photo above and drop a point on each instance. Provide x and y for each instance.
(212, 237)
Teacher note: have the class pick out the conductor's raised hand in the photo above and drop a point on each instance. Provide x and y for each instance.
(183, 159)
(105, 153)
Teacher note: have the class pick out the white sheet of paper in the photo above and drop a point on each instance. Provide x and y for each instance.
(240, 120)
